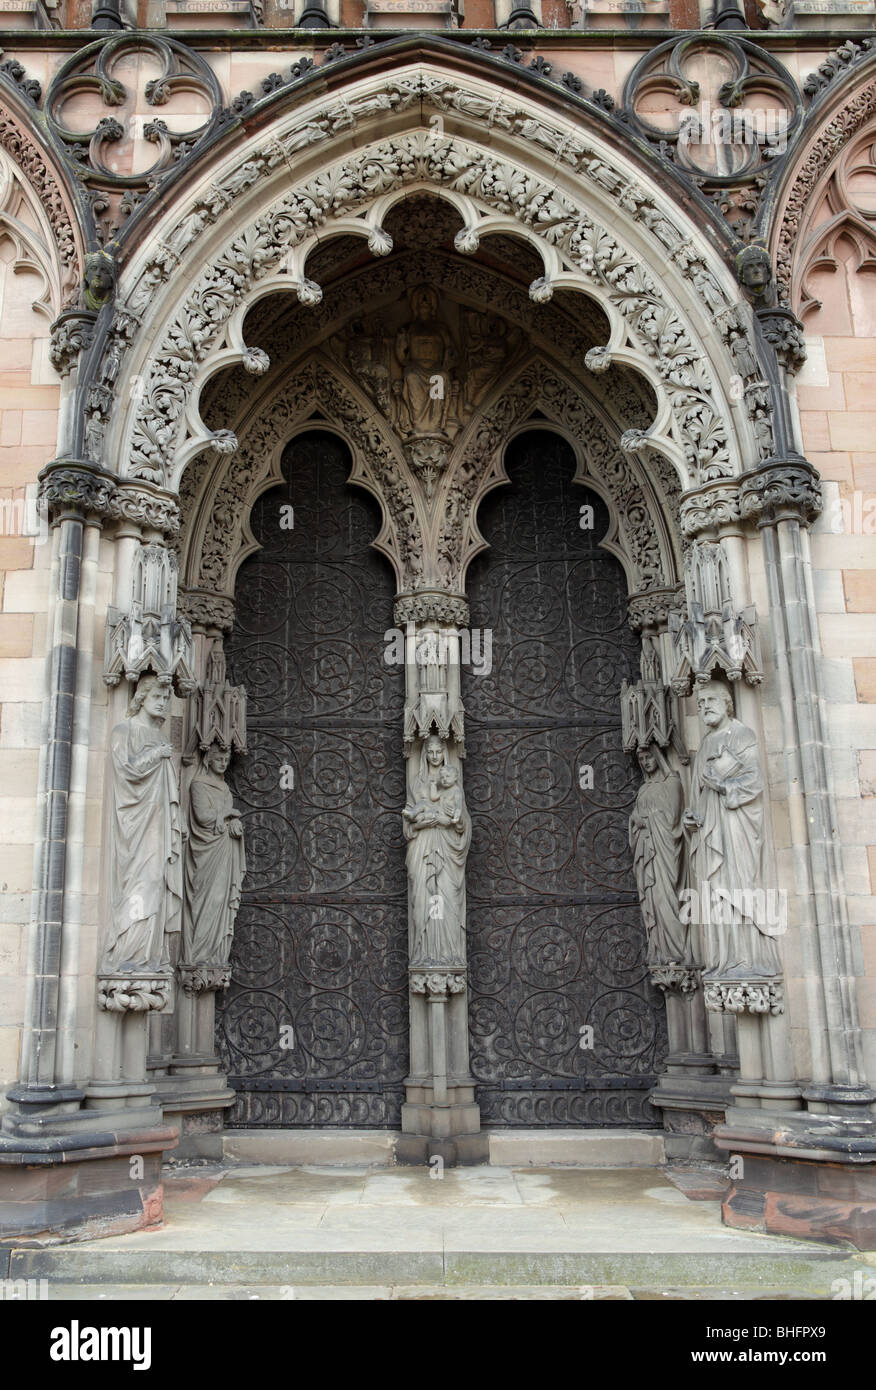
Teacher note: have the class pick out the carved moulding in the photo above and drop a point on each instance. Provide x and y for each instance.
(38, 177)
(133, 993)
(795, 249)
(660, 344)
(623, 481)
(744, 996)
(377, 464)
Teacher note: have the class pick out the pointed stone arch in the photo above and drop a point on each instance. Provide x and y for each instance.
(671, 304)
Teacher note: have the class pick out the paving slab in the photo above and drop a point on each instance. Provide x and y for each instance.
(240, 1227)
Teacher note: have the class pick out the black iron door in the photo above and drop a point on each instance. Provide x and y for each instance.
(314, 1029)
(566, 1028)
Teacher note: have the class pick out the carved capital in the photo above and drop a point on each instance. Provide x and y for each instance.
(135, 993)
(206, 609)
(431, 606)
(202, 979)
(145, 506)
(745, 996)
(709, 508)
(680, 979)
(71, 485)
(72, 334)
(784, 333)
(652, 608)
(786, 490)
(438, 983)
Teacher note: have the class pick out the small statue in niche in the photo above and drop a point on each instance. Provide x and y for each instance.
(657, 842)
(437, 828)
(146, 836)
(725, 821)
(215, 863)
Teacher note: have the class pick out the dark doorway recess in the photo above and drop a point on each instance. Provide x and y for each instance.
(314, 1029)
(555, 938)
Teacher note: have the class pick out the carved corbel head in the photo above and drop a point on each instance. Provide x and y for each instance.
(99, 280)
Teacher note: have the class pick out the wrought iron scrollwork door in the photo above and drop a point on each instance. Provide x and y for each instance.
(314, 1029)
(566, 1028)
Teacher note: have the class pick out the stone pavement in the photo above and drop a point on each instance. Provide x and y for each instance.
(238, 1232)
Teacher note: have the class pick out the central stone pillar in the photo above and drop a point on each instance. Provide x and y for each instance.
(440, 1118)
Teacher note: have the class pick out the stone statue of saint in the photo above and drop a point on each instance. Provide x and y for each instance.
(437, 828)
(426, 398)
(657, 842)
(146, 836)
(214, 863)
(725, 821)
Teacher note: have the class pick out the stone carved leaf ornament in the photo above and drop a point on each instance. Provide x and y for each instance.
(627, 287)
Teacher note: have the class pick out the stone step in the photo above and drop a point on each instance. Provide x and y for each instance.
(541, 1148)
(420, 1293)
(95, 1263)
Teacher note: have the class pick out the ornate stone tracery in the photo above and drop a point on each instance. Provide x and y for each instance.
(575, 251)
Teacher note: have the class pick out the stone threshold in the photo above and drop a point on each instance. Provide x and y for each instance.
(541, 1148)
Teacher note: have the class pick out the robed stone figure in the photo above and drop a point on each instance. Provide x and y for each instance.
(657, 842)
(726, 821)
(215, 863)
(146, 836)
(437, 827)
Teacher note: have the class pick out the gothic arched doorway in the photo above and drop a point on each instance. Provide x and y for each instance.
(314, 1030)
(565, 1026)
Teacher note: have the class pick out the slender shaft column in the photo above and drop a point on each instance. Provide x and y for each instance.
(440, 1116)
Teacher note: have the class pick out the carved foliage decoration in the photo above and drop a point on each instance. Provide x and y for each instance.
(614, 274)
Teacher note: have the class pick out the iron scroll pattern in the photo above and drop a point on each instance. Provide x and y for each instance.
(314, 1029)
(555, 938)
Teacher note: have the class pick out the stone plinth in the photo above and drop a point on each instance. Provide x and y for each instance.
(811, 1177)
(86, 1184)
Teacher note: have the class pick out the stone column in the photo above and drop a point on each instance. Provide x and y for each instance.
(812, 1172)
(440, 1117)
(59, 1164)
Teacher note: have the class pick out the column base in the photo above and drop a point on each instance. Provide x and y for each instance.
(449, 1129)
(194, 1099)
(462, 1149)
(693, 1105)
(75, 1186)
(811, 1176)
